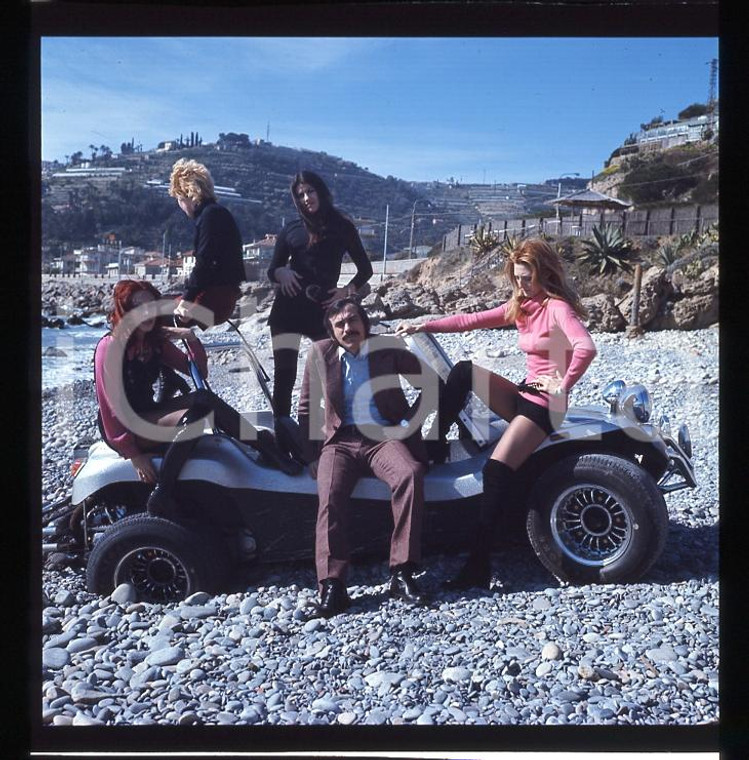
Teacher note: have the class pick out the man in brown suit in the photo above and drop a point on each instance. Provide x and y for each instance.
(364, 430)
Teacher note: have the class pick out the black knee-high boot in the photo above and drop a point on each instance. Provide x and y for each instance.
(496, 500)
(161, 502)
(453, 394)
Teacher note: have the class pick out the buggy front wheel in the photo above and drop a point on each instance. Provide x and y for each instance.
(163, 561)
(597, 518)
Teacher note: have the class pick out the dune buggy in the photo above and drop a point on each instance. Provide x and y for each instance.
(593, 493)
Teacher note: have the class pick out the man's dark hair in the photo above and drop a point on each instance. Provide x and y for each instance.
(338, 306)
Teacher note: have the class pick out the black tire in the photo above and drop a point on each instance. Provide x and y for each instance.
(597, 518)
(163, 560)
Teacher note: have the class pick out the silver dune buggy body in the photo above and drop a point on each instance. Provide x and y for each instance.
(593, 494)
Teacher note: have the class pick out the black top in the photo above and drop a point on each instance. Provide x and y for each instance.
(139, 378)
(320, 263)
(218, 250)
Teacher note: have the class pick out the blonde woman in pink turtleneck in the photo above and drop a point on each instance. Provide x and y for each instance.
(548, 316)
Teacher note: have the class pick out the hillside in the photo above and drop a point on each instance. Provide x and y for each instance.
(77, 210)
(681, 174)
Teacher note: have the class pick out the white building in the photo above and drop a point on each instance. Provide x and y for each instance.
(672, 133)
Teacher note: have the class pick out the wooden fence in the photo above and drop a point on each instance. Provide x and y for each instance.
(671, 220)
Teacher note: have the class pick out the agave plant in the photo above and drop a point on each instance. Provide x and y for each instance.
(668, 253)
(688, 240)
(483, 241)
(607, 251)
(711, 234)
(508, 245)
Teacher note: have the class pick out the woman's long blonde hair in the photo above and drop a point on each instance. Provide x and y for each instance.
(547, 271)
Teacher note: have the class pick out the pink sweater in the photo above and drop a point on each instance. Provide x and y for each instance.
(551, 335)
(119, 437)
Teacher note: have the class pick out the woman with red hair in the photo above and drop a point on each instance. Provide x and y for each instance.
(548, 314)
(127, 363)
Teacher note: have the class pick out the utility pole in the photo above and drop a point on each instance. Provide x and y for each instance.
(385, 246)
(711, 94)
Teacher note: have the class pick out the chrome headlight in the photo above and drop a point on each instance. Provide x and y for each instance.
(685, 440)
(612, 392)
(664, 423)
(636, 403)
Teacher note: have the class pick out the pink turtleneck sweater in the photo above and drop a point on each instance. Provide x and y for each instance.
(551, 335)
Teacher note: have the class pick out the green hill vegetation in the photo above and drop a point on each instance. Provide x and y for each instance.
(681, 174)
(79, 210)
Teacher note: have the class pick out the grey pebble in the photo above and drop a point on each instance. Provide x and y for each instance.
(55, 658)
(124, 594)
(165, 656)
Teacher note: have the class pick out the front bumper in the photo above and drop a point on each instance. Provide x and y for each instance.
(679, 472)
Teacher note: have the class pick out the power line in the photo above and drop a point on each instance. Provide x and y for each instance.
(661, 181)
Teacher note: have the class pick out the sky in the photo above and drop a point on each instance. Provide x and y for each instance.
(477, 110)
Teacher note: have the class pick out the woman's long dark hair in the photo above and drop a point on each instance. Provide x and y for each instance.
(319, 223)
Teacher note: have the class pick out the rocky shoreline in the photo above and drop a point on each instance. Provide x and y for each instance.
(531, 652)
(683, 296)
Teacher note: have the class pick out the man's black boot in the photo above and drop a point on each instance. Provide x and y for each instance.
(333, 598)
(403, 586)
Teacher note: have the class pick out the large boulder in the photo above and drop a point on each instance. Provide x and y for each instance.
(398, 302)
(603, 314)
(694, 303)
(655, 288)
(696, 313)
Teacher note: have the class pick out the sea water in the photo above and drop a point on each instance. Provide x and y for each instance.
(77, 344)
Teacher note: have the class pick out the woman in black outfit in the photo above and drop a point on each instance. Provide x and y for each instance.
(306, 266)
(215, 280)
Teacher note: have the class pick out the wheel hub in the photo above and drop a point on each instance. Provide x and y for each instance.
(591, 525)
(156, 573)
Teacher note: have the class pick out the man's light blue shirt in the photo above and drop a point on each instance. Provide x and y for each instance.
(359, 407)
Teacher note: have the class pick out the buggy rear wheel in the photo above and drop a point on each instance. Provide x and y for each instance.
(162, 560)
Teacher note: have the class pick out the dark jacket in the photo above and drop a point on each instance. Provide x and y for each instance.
(218, 250)
(389, 359)
(318, 264)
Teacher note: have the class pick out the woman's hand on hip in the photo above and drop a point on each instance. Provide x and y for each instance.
(551, 384)
(334, 294)
(289, 281)
(144, 468)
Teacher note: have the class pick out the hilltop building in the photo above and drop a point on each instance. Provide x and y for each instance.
(678, 132)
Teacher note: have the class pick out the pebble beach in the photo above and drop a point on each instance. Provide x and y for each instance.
(531, 651)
